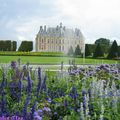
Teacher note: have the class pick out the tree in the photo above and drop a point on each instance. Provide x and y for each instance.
(8, 45)
(77, 50)
(30, 45)
(92, 48)
(98, 51)
(26, 46)
(119, 50)
(70, 51)
(104, 43)
(13, 46)
(5, 45)
(87, 50)
(114, 52)
(1, 45)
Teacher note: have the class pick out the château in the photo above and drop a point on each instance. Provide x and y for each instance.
(59, 39)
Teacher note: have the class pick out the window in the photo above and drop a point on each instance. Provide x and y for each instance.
(39, 46)
(42, 47)
(63, 48)
(59, 48)
(59, 41)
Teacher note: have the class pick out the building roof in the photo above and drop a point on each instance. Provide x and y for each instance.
(60, 31)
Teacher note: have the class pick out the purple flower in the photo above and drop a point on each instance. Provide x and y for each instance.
(47, 109)
(60, 118)
(89, 93)
(97, 69)
(84, 101)
(13, 64)
(11, 118)
(49, 100)
(55, 113)
(65, 103)
(90, 108)
(39, 81)
(83, 92)
(3, 103)
(29, 87)
(106, 69)
(40, 112)
(37, 118)
(33, 110)
(38, 115)
(25, 106)
(4, 81)
(107, 65)
(102, 66)
(43, 87)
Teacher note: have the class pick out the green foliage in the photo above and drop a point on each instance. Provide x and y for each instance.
(73, 96)
(87, 50)
(26, 46)
(98, 51)
(20, 53)
(114, 51)
(105, 44)
(103, 41)
(92, 47)
(77, 51)
(119, 50)
(14, 46)
(70, 51)
(7, 45)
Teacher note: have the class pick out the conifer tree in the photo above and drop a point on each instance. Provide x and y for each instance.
(70, 51)
(77, 50)
(98, 51)
(26, 46)
(114, 52)
(87, 50)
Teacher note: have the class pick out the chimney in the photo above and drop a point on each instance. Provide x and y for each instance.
(60, 25)
(41, 28)
(45, 28)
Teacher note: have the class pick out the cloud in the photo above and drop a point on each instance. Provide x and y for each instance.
(95, 18)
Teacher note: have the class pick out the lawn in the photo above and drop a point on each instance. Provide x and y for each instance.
(54, 60)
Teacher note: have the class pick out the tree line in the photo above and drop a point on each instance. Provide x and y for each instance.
(102, 48)
(9, 45)
(26, 46)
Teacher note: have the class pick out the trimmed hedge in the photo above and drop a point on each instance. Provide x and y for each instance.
(54, 54)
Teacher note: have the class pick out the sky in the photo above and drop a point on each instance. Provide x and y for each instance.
(21, 19)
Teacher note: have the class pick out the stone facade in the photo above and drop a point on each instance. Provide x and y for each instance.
(58, 39)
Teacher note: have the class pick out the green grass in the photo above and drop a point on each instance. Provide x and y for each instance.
(53, 60)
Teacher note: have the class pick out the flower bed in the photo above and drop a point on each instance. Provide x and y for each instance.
(90, 92)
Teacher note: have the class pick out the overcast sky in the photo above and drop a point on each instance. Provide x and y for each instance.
(21, 19)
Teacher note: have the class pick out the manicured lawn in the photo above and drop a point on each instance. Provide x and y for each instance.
(53, 60)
